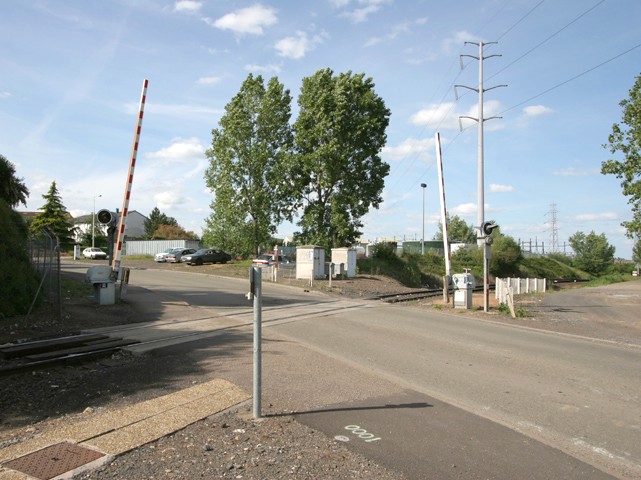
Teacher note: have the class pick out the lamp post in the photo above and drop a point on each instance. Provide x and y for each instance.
(93, 221)
(423, 185)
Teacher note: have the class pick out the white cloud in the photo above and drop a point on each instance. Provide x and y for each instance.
(574, 172)
(442, 114)
(5, 94)
(595, 217)
(180, 151)
(270, 68)
(296, 47)
(395, 31)
(208, 80)
(501, 188)
(365, 9)
(250, 20)
(187, 6)
(464, 209)
(411, 147)
(169, 199)
(536, 110)
(293, 47)
(455, 42)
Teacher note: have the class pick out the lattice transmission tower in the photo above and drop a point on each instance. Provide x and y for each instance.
(554, 229)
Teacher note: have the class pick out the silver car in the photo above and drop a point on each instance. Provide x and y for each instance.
(162, 256)
(175, 255)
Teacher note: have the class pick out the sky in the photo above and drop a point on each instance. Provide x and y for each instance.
(73, 70)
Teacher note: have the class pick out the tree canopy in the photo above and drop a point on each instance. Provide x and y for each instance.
(249, 163)
(54, 216)
(626, 140)
(593, 253)
(338, 174)
(155, 219)
(12, 189)
(457, 229)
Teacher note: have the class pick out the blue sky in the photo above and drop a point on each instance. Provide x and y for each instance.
(72, 73)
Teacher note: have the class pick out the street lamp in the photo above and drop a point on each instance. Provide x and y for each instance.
(93, 221)
(423, 185)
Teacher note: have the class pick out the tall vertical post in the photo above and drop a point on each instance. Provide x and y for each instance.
(423, 185)
(446, 240)
(130, 178)
(480, 240)
(256, 282)
(480, 186)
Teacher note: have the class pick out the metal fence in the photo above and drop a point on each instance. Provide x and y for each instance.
(44, 251)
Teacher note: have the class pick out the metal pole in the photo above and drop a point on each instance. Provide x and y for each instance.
(423, 185)
(480, 218)
(258, 376)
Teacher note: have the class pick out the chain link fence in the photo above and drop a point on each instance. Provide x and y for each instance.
(44, 251)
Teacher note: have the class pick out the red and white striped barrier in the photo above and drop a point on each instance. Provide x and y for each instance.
(130, 178)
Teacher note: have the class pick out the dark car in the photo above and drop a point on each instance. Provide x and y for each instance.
(206, 255)
(176, 254)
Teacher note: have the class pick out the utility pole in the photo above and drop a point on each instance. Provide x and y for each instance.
(480, 177)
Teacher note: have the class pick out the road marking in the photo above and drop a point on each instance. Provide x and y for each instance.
(362, 433)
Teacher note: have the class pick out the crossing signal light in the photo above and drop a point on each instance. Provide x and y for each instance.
(105, 217)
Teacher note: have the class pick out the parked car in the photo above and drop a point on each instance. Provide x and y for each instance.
(94, 253)
(270, 259)
(162, 256)
(206, 255)
(177, 253)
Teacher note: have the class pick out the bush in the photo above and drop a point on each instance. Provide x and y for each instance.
(18, 280)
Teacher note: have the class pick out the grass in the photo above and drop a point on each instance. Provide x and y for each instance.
(71, 288)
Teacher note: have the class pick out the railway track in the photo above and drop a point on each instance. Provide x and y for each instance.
(39, 354)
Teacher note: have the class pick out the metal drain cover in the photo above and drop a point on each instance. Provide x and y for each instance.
(54, 460)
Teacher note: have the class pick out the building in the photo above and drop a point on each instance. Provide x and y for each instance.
(135, 227)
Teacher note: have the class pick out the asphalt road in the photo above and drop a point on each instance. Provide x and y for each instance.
(427, 393)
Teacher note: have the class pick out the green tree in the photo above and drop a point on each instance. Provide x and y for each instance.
(593, 253)
(338, 172)
(54, 216)
(12, 189)
(249, 164)
(636, 251)
(457, 229)
(18, 280)
(155, 219)
(626, 140)
(227, 227)
(506, 256)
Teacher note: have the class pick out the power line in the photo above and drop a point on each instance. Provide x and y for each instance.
(571, 79)
(548, 38)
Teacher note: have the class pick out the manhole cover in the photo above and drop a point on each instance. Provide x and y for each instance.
(54, 460)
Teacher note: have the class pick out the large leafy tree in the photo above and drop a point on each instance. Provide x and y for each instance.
(626, 140)
(457, 229)
(227, 227)
(593, 253)
(249, 163)
(636, 251)
(155, 219)
(338, 174)
(12, 189)
(54, 217)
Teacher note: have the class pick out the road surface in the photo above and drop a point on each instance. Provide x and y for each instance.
(428, 393)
